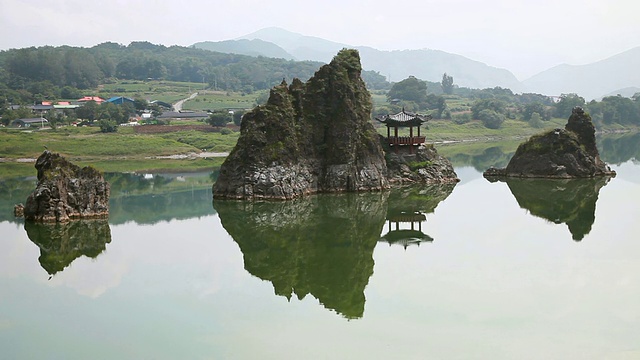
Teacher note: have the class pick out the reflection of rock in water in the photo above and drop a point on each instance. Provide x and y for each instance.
(572, 202)
(408, 207)
(320, 245)
(61, 243)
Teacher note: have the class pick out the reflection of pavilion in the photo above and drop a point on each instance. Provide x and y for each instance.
(406, 237)
(404, 119)
(323, 245)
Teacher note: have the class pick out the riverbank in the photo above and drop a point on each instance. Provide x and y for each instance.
(186, 150)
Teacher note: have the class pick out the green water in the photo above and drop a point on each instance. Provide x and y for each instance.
(523, 269)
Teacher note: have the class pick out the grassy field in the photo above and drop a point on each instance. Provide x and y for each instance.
(217, 100)
(129, 150)
(89, 143)
(168, 91)
(9, 170)
(447, 130)
(476, 148)
(172, 91)
(379, 99)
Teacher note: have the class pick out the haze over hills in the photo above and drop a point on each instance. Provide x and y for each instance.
(430, 65)
(613, 75)
(301, 46)
(396, 65)
(254, 47)
(626, 92)
(590, 81)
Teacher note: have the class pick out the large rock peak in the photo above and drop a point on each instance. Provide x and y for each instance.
(313, 137)
(580, 124)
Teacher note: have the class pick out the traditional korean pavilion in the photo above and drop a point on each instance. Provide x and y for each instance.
(404, 119)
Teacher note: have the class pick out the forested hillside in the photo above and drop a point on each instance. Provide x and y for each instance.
(32, 74)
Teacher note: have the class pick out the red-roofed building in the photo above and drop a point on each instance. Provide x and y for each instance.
(91, 98)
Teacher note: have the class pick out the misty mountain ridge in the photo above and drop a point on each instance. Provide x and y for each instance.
(302, 47)
(626, 92)
(397, 65)
(254, 47)
(590, 81)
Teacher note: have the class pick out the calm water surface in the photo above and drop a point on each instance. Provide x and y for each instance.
(479, 270)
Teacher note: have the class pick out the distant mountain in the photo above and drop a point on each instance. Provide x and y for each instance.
(301, 46)
(254, 47)
(590, 81)
(614, 75)
(626, 92)
(430, 65)
(398, 65)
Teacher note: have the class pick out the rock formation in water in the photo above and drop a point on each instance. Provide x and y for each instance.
(425, 166)
(65, 191)
(318, 137)
(308, 138)
(561, 153)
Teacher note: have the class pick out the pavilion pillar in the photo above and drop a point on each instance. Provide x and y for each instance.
(410, 139)
(395, 133)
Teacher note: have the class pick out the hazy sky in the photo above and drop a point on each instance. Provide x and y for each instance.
(524, 37)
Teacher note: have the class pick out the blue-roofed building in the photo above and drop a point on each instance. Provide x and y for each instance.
(119, 100)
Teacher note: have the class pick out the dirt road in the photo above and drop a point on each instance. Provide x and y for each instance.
(178, 105)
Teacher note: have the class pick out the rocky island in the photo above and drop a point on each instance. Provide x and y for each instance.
(65, 191)
(560, 153)
(309, 138)
(425, 166)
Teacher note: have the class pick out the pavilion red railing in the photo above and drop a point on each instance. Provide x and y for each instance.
(406, 140)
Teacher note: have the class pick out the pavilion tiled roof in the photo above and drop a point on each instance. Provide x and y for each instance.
(404, 118)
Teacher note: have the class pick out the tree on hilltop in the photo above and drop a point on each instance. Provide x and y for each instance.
(409, 89)
(447, 84)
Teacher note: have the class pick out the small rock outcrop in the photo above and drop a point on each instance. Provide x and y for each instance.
(560, 153)
(425, 166)
(65, 191)
(308, 138)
